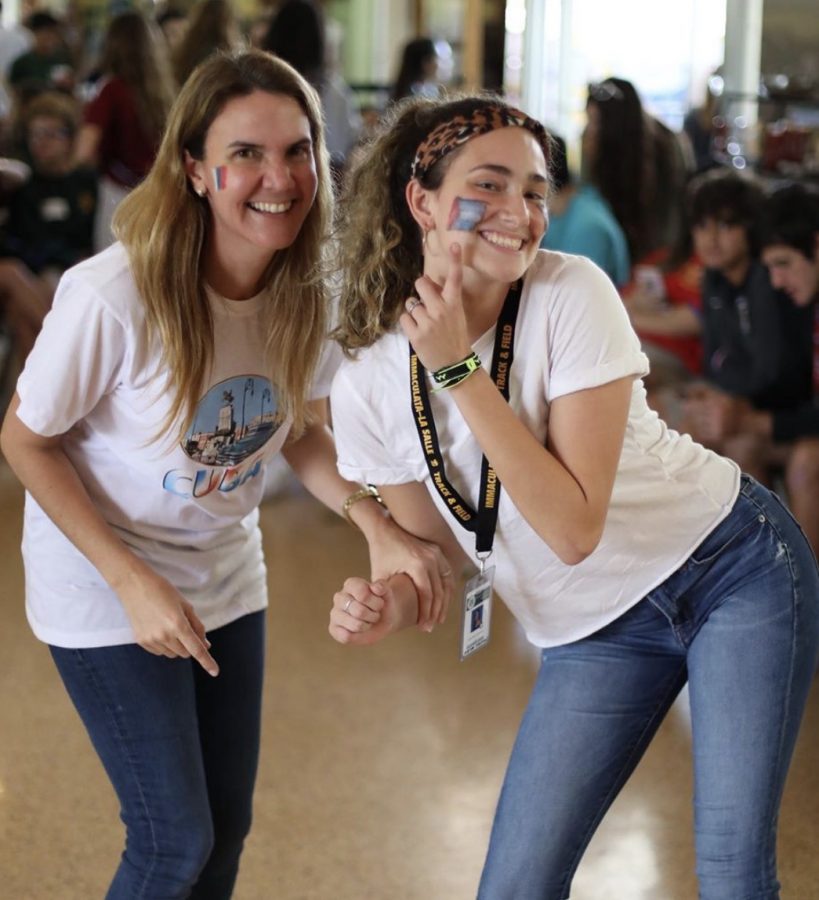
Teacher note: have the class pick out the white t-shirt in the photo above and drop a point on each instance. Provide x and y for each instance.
(572, 333)
(187, 507)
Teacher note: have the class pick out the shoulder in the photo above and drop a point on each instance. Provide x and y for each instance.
(553, 271)
(373, 369)
(106, 280)
(570, 295)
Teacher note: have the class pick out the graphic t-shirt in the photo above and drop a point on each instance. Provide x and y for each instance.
(188, 506)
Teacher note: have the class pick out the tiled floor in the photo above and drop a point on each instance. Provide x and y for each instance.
(380, 767)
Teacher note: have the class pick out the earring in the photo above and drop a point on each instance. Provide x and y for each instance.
(200, 192)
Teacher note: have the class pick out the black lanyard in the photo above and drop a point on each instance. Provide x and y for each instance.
(482, 521)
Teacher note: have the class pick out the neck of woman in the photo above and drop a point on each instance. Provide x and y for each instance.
(233, 276)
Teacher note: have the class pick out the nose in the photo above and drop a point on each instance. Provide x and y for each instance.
(515, 211)
(277, 175)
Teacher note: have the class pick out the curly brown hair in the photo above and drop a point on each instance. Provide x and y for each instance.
(379, 250)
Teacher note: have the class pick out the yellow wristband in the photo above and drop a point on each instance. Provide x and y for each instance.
(368, 492)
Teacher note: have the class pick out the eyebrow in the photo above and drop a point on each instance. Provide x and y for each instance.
(302, 142)
(504, 170)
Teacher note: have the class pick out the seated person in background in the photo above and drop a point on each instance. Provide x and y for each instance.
(581, 222)
(789, 436)
(50, 219)
(664, 302)
(756, 342)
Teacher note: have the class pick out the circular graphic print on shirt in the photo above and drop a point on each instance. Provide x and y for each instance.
(232, 421)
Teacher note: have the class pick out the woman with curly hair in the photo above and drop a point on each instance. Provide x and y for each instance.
(494, 395)
(172, 368)
(123, 123)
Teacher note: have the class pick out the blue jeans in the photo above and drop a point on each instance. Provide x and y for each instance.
(181, 749)
(740, 622)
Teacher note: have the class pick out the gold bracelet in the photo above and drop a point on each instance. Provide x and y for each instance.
(368, 492)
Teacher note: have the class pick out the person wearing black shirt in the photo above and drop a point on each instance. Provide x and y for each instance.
(760, 335)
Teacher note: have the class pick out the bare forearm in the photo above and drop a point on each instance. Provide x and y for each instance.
(52, 480)
(676, 321)
(313, 459)
(547, 494)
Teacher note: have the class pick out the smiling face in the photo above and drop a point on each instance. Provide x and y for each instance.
(258, 176)
(793, 272)
(505, 172)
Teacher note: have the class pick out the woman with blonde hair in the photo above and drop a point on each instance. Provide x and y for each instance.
(123, 123)
(172, 368)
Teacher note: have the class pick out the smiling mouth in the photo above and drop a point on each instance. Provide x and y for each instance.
(504, 241)
(272, 207)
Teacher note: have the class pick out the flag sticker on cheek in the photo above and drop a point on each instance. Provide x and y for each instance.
(466, 214)
(220, 177)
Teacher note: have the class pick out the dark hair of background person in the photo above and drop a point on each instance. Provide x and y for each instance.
(210, 23)
(53, 105)
(132, 52)
(729, 198)
(296, 35)
(559, 164)
(618, 167)
(417, 53)
(637, 166)
(40, 20)
(170, 14)
(791, 217)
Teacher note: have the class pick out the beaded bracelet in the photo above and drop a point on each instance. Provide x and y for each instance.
(463, 368)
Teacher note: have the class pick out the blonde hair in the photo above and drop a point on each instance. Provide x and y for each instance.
(163, 225)
(379, 246)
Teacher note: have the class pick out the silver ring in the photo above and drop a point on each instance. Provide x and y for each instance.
(347, 604)
(412, 303)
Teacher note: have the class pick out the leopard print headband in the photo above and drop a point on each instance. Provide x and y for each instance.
(449, 135)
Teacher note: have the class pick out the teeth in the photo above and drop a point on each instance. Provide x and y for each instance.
(501, 240)
(271, 207)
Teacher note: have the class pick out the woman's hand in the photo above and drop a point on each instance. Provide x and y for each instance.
(163, 622)
(393, 550)
(435, 322)
(365, 612)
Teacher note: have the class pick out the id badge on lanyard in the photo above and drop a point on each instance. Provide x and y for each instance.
(476, 618)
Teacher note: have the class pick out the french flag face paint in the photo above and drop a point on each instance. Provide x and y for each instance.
(465, 214)
(220, 177)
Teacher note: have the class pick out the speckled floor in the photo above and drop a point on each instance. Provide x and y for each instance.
(379, 769)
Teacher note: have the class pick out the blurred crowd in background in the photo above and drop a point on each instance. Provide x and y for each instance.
(718, 269)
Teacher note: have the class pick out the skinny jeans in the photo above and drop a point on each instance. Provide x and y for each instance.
(739, 622)
(181, 750)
